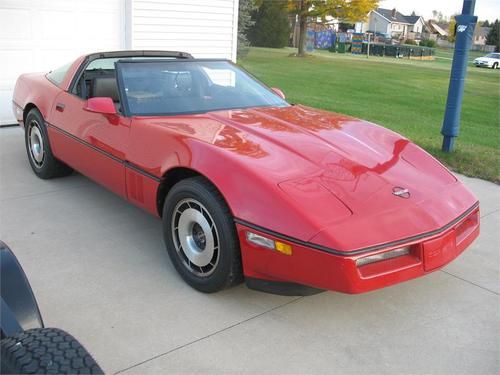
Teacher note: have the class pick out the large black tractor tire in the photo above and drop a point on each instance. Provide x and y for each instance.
(45, 351)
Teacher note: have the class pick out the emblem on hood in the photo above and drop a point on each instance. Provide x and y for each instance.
(401, 192)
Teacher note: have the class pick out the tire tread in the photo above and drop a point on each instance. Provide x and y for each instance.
(46, 351)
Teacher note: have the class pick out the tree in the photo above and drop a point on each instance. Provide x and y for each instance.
(271, 28)
(485, 23)
(245, 22)
(493, 37)
(439, 17)
(346, 10)
(451, 30)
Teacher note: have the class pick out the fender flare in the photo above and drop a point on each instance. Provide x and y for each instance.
(18, 303)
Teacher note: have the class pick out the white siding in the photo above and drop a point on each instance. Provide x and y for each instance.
(418, 26)
(377, 23)
(41, 35)
(202, 28)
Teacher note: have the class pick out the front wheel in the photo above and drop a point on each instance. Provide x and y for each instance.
(200, 236)
(495, 66)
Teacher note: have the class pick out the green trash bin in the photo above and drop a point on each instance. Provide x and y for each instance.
(341, 48)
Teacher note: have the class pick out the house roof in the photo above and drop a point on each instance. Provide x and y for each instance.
(412, 19)
(397, 17)
(438, 29)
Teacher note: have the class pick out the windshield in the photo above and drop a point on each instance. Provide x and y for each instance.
(494, 55)
(187, 86)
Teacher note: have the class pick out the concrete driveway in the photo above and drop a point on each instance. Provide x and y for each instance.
(100, 271)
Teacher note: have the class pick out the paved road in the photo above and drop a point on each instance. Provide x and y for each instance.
(99, 270)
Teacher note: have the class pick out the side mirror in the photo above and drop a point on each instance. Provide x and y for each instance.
(278, 92)
(101, 105)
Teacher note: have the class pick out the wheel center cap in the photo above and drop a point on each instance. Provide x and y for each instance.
(199, 236)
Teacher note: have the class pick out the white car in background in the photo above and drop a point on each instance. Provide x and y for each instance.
(491, 60)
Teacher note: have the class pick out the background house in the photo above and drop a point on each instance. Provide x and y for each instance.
(40, 35)
(480, 35)
(417, 26)
(434, 31)
(394, 24)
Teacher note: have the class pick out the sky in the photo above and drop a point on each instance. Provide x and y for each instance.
(485, 9)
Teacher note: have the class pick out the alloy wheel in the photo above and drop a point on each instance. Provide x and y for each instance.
(195, 237)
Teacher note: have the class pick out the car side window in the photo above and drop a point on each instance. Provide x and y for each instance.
(98, 80)
(56, 76)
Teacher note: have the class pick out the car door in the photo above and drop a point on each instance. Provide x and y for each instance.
(92, 143)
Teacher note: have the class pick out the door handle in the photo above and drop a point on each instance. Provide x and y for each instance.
(60, 107)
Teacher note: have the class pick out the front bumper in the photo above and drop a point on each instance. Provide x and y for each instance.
(321, 269)
(483, 64)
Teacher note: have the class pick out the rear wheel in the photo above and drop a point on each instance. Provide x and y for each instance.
(46, 351)
(200, 236)
(40, 156)
(495, 65)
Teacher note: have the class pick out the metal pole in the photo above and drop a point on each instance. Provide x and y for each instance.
(368, 46)
(466, 22)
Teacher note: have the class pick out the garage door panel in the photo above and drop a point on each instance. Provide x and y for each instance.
(14, 63)
(41, 35)
(6, 105)
(10, 28)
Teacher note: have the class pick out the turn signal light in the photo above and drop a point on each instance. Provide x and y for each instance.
(268, 243)
(283, 248)
(383, 256)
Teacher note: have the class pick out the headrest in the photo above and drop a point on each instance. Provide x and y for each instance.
(183, 82)
(106, 87)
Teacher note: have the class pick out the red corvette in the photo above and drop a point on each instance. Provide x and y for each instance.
(247, 185)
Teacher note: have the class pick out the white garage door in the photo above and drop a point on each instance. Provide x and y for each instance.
(40, 35)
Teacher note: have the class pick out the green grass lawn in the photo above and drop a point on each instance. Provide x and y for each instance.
(406, 96)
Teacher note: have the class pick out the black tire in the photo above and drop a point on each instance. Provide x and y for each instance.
(48, 167)
(495, 65)
(227, 270)
(45, 351)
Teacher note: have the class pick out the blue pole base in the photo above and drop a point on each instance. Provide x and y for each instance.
(448, 143)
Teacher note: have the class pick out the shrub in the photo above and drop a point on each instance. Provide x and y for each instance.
(410, 42)
(428, 43)
(271, 28)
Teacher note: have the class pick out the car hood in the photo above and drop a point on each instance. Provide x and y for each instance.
(486, 59)
(337, 172)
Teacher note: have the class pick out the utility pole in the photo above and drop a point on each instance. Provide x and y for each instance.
(466, 22)
(368, 46)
